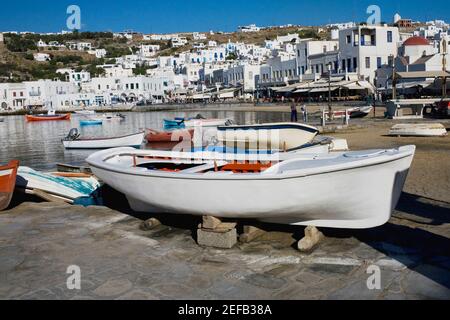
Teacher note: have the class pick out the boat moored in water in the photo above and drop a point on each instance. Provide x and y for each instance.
(311, 190)
(85, 123)
(7, 183)
(169, 136)
(49, 117)
(74, 141)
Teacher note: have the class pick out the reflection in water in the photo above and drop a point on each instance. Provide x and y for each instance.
(38, 144)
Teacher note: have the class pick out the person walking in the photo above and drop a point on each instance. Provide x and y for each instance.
(294, 113)
(304, 114)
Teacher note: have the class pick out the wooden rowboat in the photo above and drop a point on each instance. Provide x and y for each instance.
(8, 175)
(170, 136)
(32, 118)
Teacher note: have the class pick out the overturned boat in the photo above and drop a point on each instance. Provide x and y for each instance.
(304, 189)
(418, 130)
(7, 183)
(74, 141)
(272, 135)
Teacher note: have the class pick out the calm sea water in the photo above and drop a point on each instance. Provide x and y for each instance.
(38, 144)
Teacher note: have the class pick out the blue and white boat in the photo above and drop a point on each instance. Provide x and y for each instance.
(66, 189)
(84, 123)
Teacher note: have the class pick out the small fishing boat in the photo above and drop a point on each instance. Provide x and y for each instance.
(2, 119)
(174, 123)
(85, 112)
(85, 123)
(354, 113)
(206, 122)
(47, 117)
(7, 183)
(419, 130)
(283, 136)
(73, 141)
(311, 190)
(109, 117)
(67, 168)
(67, 189)
(170, 136)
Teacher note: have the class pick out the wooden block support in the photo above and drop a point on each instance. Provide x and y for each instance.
(250, 233)
(210, 222)
(312, 238)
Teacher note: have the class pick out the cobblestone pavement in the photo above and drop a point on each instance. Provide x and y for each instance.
(118, 260)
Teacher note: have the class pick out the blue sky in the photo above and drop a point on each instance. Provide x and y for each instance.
(158, 16)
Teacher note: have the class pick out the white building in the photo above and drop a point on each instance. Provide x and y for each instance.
(209, 55)
(364, 49)
(114, 71)
(307, 48)
(149, 50)
(41, 93)
(2, 39)
(249, 28)
(78, 77)
(41, 57)
(178, 41)
(198, 36)
(79, 46)
(243, 75)
(98, 53)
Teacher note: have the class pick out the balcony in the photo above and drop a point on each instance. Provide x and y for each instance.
(34, 93)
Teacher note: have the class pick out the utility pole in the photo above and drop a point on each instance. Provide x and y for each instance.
(394, 80)
(444, 67)
(329, 89)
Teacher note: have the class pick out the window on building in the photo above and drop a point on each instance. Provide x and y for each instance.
(379, 62)
(355, 63)
(349, 39)
(344, 66)
(389, 36)
(367, 62)
(349, 64)
(137, 86)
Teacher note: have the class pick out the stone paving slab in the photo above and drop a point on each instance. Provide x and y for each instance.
(118, 260)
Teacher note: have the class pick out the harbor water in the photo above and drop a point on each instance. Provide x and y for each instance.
(38, 144)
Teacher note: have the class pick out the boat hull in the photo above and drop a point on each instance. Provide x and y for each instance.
(134, 140)
(31, 118)
(322, 199)
(7, 183)
(170, 136)
(418, 130)
(270, 136)
(91, 123)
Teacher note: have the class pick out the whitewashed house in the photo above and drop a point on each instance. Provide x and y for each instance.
(42, 57)
(306, 48)
(148, 50)
(363, 49)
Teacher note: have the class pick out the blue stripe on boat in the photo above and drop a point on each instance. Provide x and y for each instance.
(270, 127)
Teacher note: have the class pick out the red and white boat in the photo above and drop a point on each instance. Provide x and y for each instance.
(44, 117)
(170, 136)
(8, 175)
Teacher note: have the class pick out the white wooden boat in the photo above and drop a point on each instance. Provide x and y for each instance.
(419, 130)
(60, 187)
(304, 190)
(205, 122)
(85, 112)
(73, 141)
(270, 136)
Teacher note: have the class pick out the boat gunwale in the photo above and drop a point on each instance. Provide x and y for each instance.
(274, 126)
(406, 152)
(104, 139)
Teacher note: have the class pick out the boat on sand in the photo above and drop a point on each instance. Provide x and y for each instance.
(7, 183)
(308, 189)
(419, 130)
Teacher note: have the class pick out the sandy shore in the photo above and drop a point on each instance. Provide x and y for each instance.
(429, 176)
